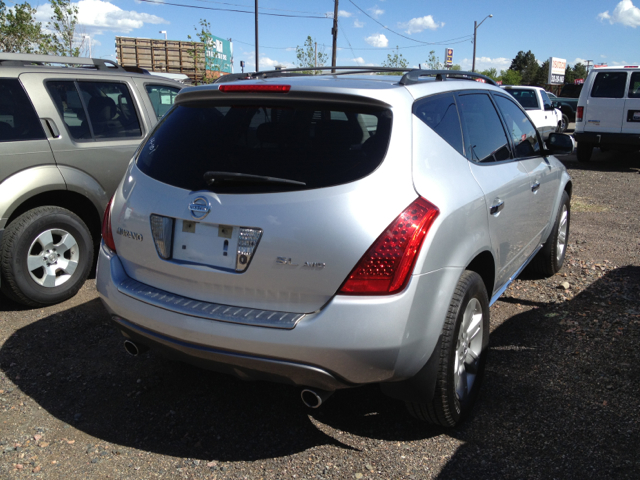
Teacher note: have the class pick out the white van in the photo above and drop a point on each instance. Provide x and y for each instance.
(608, 114)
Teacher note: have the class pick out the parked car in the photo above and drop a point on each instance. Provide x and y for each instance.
(330, 231)
(539, 108)
(66, 137)
(609, 111)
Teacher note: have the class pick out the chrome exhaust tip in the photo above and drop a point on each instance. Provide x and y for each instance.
(314, 398)
(134, 349)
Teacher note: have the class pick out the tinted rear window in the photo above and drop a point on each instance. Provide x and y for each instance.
(319, 146)
(527, 98)
(18, 119)
(609, 85)
(634, 86)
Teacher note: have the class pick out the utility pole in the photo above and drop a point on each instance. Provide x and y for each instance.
(334, 32)
(316, 55)
(588, 65)
(257, 56)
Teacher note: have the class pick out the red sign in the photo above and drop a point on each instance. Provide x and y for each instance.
(579, 81)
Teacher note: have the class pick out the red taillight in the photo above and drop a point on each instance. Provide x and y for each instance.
(386, 267)
(579, 114)
(255, 88)
(107, 236)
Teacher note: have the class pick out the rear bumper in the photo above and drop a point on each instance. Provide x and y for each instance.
(351, 341)
(631, 139)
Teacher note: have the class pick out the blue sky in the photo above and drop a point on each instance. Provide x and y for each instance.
(603, 31)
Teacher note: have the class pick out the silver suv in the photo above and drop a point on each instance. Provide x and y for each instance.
(68, 129)
(334, 230)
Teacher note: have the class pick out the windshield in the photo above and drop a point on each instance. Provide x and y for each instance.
(311, 145)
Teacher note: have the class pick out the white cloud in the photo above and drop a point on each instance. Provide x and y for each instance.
(377, 40)
(358, 61)
(417, 25)
(580, 60)
(376, 12)
(625, 13)
(98, 16)
(357, 23)
(485, 63)
(341, 14)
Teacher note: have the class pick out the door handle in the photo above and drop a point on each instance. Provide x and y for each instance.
(535, 186)
(496, 207)
(51, 125)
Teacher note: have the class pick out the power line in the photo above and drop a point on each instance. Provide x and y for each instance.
(252, 12)
(404, 36)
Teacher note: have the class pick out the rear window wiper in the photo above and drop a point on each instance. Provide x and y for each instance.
(212, 177)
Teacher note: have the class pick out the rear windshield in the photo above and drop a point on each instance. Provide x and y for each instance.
(527, 98)
(309, 145)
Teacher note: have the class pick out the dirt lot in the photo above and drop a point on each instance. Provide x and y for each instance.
(561, 398)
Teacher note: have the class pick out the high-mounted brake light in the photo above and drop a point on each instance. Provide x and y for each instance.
(386, 267)
(107, 235)
(631, 66)
(255, 88)
(579, 114)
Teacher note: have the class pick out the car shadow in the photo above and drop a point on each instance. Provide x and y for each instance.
(73, 364)
(561, 398)
(609, 161)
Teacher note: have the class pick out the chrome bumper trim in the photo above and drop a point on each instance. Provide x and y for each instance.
(210, 311)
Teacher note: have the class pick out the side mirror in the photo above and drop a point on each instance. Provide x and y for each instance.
(560, 144)
(548, 107)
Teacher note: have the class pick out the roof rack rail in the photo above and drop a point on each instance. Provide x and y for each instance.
(414, 76)
(26, 59)
(410, 75)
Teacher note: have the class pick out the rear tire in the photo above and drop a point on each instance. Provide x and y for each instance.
(585, 150)
(550, 258)
(463, 350)
(46, 256)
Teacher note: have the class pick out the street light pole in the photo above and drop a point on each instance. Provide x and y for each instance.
(165, 33)
(475, 29)
(257, 55)
(89, 37)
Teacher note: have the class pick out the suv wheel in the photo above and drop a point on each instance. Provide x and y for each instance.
(463, 347)
(563, 124)
(584, 152)
(46, 256)
(550, 258)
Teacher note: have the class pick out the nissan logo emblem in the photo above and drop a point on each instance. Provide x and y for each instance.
(200, 208)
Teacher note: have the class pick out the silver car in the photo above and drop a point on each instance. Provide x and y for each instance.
(331, 231)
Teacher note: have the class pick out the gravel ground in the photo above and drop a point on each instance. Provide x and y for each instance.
(561, 397)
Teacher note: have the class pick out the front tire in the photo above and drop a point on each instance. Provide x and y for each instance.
(563, 124)
(46, 256)
(550, 258)
(463, 347)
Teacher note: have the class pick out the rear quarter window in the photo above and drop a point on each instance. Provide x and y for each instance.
(634, 85)
(319, 146)
(609, 85)
(441, 114)
(18, 119)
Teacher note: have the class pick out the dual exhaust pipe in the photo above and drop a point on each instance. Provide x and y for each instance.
(312, 398)
(134, 349)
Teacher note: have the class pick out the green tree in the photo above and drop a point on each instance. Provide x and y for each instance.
(510, 77)
(306, 55)
(395, 60)
(63, 24)
(19, 31)
(209, 61)
(527, 66)
(542, 77)
(433, 62)
(491, 73)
